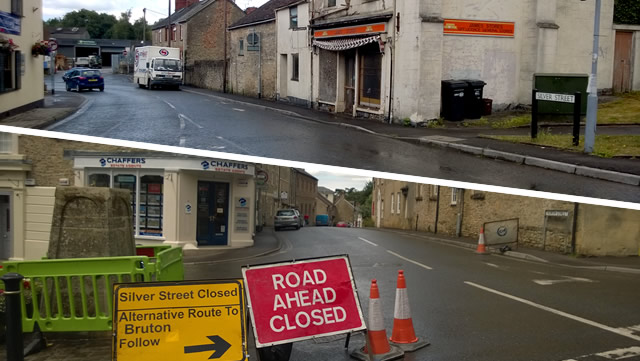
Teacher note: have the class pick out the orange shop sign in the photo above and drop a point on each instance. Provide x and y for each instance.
(351, 30)
(479, 28)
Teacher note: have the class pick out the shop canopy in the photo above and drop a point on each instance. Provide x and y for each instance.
(345, 43)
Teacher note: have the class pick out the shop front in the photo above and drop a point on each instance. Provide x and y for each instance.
(353, 65)
(182, 201)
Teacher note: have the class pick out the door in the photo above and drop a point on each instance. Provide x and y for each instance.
(5, 226)
(213, 214)
(349, 81)
(622, 62)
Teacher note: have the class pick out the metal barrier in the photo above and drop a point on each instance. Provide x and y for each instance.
(77, 294)
(150, 251)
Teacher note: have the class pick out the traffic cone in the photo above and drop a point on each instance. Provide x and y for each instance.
(482, 248)
(377, 347)
(403, 334)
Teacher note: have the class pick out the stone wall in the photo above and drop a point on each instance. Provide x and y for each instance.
(245, 66)
(204, 60)
(605, 231)
(91, 222)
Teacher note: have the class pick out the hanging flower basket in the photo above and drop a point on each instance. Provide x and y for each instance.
(7, 44)
(40, 48)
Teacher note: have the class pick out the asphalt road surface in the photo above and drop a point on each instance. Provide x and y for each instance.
(181, 118)
(470, 307)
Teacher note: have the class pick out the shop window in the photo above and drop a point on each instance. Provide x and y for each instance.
(241, 47)
(295, 71)
(151, 192)
(10, 70)
(370, 76)
(293, 17)
(99, 180)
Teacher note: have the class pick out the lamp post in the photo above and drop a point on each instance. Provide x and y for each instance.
(592, 99)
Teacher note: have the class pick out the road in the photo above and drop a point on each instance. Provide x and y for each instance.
(188, 119)
(470, 307)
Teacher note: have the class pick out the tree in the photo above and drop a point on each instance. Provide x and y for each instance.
(97, 24)
(123, 29)
(138, 27)
(626, 12)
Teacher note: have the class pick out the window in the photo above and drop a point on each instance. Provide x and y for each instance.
(454, 196)
(10, 70)
(398, 196)
(181, 36)
(16, 7)
(331, 3)
(295, 71)
(382, 209)
(293, 17)
(146, 197)
(392, 203)
(370, 76)
(174, 32)
(6, 143)
(241, 47)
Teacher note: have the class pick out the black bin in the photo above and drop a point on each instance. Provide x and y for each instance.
(473, 104)
(453, 99)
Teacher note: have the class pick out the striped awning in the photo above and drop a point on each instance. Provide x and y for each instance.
(345, 43)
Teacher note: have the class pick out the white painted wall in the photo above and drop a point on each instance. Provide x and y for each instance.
(290, 41)
(32, 88)
(39, 203)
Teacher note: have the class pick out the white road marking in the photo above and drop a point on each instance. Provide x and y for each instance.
(623, 332)
(565, 280)
(182, 123)
(617, 354)
(182, 116)
(169, 104)
(634, 329)
(492, 265)
(410, 260)
(238, 109)
(217, 147)
(183, 141)
(371, 243)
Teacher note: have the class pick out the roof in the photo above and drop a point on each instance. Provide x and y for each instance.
(324, 190)
(265, 13)
(324, 199)
(303, 172)
(60, 30)
(183, 14)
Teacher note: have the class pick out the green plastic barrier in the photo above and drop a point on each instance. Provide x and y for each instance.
(75, 294)
(169, 265)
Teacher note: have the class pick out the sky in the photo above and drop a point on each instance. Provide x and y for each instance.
(333, 180)
(156, 9)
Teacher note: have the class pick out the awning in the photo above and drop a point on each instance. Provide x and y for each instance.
(345, 43)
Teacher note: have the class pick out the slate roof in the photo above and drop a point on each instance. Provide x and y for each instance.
(263, 14)
(183, 14)
(324, 190)
(302, 171)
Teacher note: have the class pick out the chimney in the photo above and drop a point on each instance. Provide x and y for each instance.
(181, 4)
(250, 9)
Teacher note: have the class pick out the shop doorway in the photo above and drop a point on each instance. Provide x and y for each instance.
(370, 76)
(349, 81)
(5, 226)
(213, 214)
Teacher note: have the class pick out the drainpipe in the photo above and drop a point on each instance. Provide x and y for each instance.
(460, 213)
(573, 227)
(224, 78)
(435, 227)
(396, 16)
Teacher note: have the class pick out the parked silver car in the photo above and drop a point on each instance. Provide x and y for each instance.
(286, 218)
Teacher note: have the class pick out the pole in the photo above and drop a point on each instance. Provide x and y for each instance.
(52, 68)
(14, 342)
(169, 32)
(224, 75)
(592, 99)
(144, 25)
(259, 63)
(534, 114)
(577, 110)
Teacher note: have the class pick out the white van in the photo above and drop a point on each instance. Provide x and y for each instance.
(157, 66)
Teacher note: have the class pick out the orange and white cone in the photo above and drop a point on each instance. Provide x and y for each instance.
(377, 346)
(404, 335)
(482, 247)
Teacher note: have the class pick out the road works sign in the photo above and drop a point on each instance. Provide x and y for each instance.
(195, 320)
(298, 300)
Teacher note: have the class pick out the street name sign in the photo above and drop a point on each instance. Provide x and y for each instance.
(192, 320)
(299, 300)
(552, 97)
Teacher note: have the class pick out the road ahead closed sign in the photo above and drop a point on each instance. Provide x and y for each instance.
(299, 300)
(197, 320)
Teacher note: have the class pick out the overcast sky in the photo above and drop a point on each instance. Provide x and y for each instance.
(333, 180)
(156, 9)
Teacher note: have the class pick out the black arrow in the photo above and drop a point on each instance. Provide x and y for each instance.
(219, 346)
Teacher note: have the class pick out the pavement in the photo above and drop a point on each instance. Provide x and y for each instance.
(463, 139)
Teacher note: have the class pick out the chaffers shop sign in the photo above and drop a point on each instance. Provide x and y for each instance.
(135, 161)
(294, 301)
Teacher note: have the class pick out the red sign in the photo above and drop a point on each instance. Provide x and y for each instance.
(479, 28)
(124, 52)
(295, 301)
(351, 30)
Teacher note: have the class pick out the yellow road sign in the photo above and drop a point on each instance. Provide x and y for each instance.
(191, 320)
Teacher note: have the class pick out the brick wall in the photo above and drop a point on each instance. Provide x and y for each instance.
(245, 65)
(204, 60)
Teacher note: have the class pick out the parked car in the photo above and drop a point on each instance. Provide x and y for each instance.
(83, 78)
(286, 218)
(300, 218)
(322, 220)
(67, 73)
(342, 224)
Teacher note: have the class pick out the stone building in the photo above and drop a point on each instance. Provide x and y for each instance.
(274, 193)
(346, 211)
(386, 60)
(324, 205)
(541, 223)
(171, 32)
(305, 191)
(177, 200)
(252, 67)
(22, 76)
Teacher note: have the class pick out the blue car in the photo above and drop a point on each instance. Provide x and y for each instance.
(83, 78)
